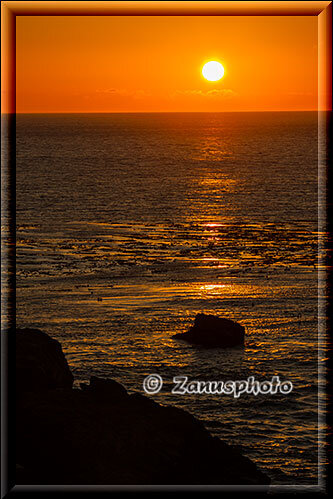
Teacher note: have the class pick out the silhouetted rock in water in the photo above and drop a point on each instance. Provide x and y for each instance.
(103, 435)
(212, 331)
(40, 362)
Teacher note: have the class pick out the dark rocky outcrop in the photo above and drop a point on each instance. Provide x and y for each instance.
(40, 362)
(212, 331)
(100, 434)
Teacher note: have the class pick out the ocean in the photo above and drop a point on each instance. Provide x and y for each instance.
(128, 225)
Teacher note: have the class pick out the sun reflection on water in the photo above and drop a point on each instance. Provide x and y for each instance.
(213, 148)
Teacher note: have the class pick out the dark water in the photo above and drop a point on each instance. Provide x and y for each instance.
(130, 224)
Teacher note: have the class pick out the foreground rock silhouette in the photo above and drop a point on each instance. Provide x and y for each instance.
(212, 331)
(100, 434)
(40, 362)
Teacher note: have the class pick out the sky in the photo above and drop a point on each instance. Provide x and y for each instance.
(154, 63)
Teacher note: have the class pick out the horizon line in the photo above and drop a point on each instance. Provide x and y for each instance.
(170, 112)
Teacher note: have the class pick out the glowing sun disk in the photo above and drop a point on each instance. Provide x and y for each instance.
(213, 71)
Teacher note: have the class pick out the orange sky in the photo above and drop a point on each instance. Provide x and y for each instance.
(153, 63)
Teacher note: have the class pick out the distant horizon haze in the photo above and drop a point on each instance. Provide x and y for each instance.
(177, 112)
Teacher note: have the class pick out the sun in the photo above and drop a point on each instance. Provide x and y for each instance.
(213, 71)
